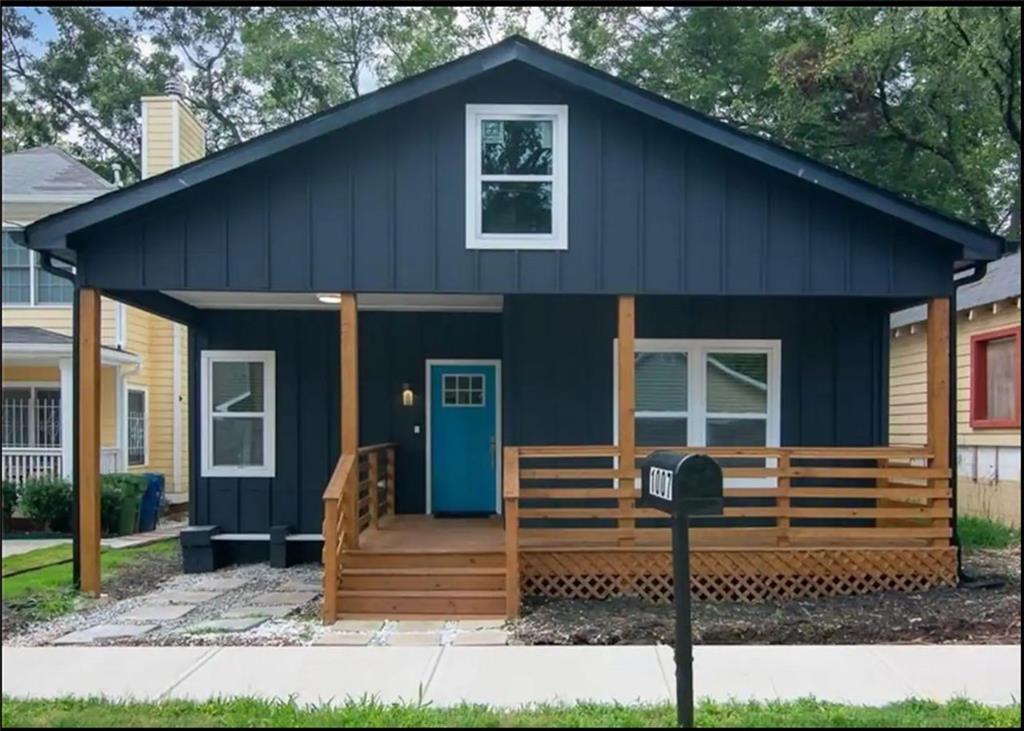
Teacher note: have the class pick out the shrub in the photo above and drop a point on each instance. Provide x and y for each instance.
(47, 500)
(10, 498)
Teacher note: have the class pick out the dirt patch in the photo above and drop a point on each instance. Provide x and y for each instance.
(985, 611)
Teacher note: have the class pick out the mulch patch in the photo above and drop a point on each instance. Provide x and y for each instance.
(979, 612)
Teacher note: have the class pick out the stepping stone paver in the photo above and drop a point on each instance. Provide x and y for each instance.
(352, 639)
(281, 598)
(357, 625)
(220, 583)
(179, 596)
(104, 632)
(488, 637)
(265, 612)
(300, 586)
(414, 639)
(227, 625)
(158, 612)
(473, 625)
(419, 625)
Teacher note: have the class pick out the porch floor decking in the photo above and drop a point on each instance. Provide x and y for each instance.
(400, 533)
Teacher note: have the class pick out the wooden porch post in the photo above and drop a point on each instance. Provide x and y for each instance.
(350, 411)
(626, 415)
(87, 467)
(938, 400)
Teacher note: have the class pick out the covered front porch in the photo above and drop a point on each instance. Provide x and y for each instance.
(800, 521)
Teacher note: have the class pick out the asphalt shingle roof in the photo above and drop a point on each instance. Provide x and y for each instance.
(49, 171)
(1001, 281)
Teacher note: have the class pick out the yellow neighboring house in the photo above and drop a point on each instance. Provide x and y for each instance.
(987, 389)
(144, 384)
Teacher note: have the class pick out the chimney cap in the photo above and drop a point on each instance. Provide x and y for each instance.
(175, 86)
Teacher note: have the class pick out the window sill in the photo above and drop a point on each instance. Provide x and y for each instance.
(236, 472)
(517, 244)
(995, 423)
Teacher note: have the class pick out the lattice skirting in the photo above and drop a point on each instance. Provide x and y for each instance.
(745, 576)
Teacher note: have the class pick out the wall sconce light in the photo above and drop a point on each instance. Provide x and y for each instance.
(407, 396)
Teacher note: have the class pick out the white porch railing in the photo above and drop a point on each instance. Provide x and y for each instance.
(26, 463)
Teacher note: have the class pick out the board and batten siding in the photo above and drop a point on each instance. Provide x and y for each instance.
(379, 206)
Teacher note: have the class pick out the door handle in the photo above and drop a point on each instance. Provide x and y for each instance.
(492, 450)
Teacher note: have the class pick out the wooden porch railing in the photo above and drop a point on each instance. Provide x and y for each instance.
(775, 497)
(360, 492)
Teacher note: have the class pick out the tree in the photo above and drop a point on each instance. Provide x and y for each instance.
(83, 89)
(924, 101)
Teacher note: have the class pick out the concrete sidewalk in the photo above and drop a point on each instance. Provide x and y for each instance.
(516, 675)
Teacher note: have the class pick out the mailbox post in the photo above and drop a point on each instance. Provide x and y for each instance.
(682, 485)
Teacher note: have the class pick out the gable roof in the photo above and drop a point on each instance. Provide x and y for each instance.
(48, 173)
(51, 232)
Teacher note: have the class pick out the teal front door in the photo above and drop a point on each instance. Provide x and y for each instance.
(464, 449)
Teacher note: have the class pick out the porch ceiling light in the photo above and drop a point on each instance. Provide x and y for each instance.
(329, 299)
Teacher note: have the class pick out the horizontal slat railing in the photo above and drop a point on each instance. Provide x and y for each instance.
(361, 491)
(802, 496)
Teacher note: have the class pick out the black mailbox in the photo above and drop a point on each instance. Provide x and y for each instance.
(682, 485)
(679, 484)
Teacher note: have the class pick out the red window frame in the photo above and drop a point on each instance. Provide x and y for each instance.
(979, 380)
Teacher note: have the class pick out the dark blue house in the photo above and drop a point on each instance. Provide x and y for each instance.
(432, 329)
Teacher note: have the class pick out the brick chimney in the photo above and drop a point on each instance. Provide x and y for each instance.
(171, 133)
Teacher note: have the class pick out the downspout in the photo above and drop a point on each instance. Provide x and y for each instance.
(46, 264)
(978, 273)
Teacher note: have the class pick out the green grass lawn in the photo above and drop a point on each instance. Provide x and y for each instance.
(984, 533)
(47, 592)
(262, 714)
(36, 559)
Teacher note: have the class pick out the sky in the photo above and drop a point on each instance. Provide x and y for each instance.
(45, 28)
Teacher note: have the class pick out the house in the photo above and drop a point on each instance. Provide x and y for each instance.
(432, 329)
(987, 389)
(144, 358)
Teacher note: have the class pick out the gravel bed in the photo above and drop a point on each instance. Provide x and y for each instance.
(298, 629)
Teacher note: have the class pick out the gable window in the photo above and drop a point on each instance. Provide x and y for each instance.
(995, 379)
(26, 283)
(238, 413)
(136, 430)
(31, 416)
(517, 176)
(708, 393)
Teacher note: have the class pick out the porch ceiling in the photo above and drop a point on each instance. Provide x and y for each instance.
(311, 301)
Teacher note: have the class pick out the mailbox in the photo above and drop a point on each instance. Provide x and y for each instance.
(681, 484)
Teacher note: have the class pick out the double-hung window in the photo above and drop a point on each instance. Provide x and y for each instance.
(995, 379)
(517, 176)
(26, 283)
(237, 394)
(708, 393)
(31, 416)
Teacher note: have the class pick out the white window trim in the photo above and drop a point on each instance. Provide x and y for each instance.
(33, 291)
(696, 392)
(558, 239)
(267, 358)
(145, 425)
(32, 387)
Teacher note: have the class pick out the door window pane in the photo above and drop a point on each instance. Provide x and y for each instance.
(462, 390)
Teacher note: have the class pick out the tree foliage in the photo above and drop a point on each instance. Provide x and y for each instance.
(921, 100)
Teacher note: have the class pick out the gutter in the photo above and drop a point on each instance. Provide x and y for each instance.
(980, 269)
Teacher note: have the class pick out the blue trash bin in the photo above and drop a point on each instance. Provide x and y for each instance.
(149, 511)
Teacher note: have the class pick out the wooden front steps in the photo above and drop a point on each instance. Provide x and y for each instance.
(403, 584)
